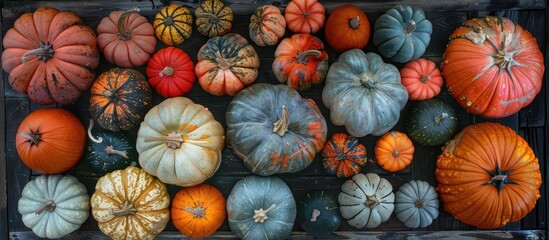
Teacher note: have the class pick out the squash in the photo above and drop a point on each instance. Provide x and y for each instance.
(273, 130)
(180, 142)
(343, 156)
(53, 60)
(366, 200)
(347, 27)
(431, 122)
(119, 99)
(130, 204)
(198, 211)
(488, 176)
(267, 25)
(126, 38)
(363, 93)
(416, 204)
(213, 18)
(493, 67)
(173, 24)
(261, 208)
(318, 213)
(394, 151)
(421, 78)
(402, 33)
(301, 61)
(305, 16)
(221, 71)
(53, 206)
(50, 140)
(171, 72)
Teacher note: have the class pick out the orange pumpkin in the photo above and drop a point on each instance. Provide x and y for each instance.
(305, 16)
(347, 27)
(343, 155)
(394, 151)
(421, 78)
(267, 25)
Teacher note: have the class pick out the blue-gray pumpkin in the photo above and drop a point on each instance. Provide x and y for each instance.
(416, 204)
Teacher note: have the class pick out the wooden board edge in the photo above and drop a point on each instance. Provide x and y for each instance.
(3, 158)
(546, 117)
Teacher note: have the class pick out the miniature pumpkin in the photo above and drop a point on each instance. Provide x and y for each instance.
(198, 211)
(416, 204)
(366, 200)
(394, 151)
(402, 33)
(213, 18)
(305, 16)
(126, 38)
(273, 130)
(301, 61)
(226, 65)
(261, 208)
(363, 93)
(130, 204)
(173, 24)
(267, 25)
(119, 99)
(421, 78)
(171, 72)
(180, 142)
(50, 140)
(52, 61)
(54, 205)
(431, 122)
(493, 67)
(347, 27)
(318, 213)
(343, 155)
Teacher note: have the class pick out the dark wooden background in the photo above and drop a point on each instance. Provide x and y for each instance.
(445, 15)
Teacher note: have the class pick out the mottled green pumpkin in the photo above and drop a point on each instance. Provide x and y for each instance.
(431, 122)
(318, 213)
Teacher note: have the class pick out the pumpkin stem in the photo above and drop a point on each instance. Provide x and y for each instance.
(48, 206)
(124, 33)
(424, 78)
(168, 21)
(43, 52)
(110, 150)
(198, 212)
(126, 209)
(354, 23)
(367, 83)
(281, 126)
(261, 215)
(173, 140)
(315, 214)
(396, 153)
(341, 156)
(499, 178)
(371, 202)
(420, 204)
(504, 59)
(167, 71)
(33, 137)
(212, 18)
(95, 140)
(302, 56)
(410, 27)
(439, 118)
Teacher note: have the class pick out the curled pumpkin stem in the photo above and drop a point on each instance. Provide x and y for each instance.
(90, 135)
(281, 126)
(302, 56)
(110, 150)
(43, 52)
(173, 140)
(123, 32)
(315, 215)
(48, 206)
(260, 215)
(126, 209)
(198, 212)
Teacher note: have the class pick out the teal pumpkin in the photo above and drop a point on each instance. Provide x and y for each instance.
(318, 213)
(431, 122)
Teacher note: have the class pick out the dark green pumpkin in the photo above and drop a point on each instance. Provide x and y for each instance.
(431, 122)
(318, 213)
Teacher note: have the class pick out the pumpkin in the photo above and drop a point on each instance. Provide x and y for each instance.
(261, 208)
(301, 61)
(402, 33)
(394, 151)
(493, 67)
(273, 130)
(421, 78)
(363, 93)
(343, 156)
(126, 38)
(171, 72)
(180, 142)
(267, 25)
(50, 140)
(318, 213)
(119, 99)
(488, 176)
(198, 211)
(213, 18)
(130, 204)
(226, 65)
(416, 204)
(366, 200)
(431, 122)
(54, 205)
(53, 60)
(173, 24)
(305, 16)
(347, 27)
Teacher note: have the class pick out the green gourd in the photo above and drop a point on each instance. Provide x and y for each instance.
(431, 122)
(318, 213)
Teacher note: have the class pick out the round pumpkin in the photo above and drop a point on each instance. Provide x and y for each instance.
(119, 99)
(493, 67)
(50, 140)
(301, 61)
(171, 72)
(347, 27)
(53, 60)
(126, 38)
(394, 151)
(305, 16)
(173, 24)
(273, 130)
(363, 93)
(130, 204)
(431, 122)
(180, 142)
(416, 204)
(402, 33)
(213, 18)
(343, 156)
(421, 78)
(54, 206)
(488, 176)
(267, 25)
(221, 71)
(261, 208)
(318, 213)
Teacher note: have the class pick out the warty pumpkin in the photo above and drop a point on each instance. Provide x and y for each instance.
(267, 25)
(343, 156)
(305, 16)
(173, 24)
(213, 18)
(347, 27)
(171, 72)
(421, 78)
(394, 151)
(416, 204)
(431, 122)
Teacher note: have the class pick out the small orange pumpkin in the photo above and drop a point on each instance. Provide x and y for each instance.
(347, 27)
(343, 155)
(394, 151)
(305, 16)
(421, 78)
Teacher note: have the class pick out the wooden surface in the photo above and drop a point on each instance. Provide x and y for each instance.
(445, 16)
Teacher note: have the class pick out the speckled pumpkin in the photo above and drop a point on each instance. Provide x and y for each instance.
(267, 25)
(213, 18)
(343, 155)
(173, 24)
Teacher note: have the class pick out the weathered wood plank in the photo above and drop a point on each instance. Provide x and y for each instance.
(3, 161)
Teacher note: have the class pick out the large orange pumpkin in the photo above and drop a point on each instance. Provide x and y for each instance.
(347, 27)
(305, 16)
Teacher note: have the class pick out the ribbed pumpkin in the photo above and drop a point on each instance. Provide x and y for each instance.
(50, 55)
(347, 27)
(394, 151)
(488, 176)
(493, 67)
(119, 99)
(305, 16)
(267, 25)
(416, 204)
(213, 18)
(343, 155)
(171, 72)
(318, 213)
(431, 122)
(421, 78)
(173, 24)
